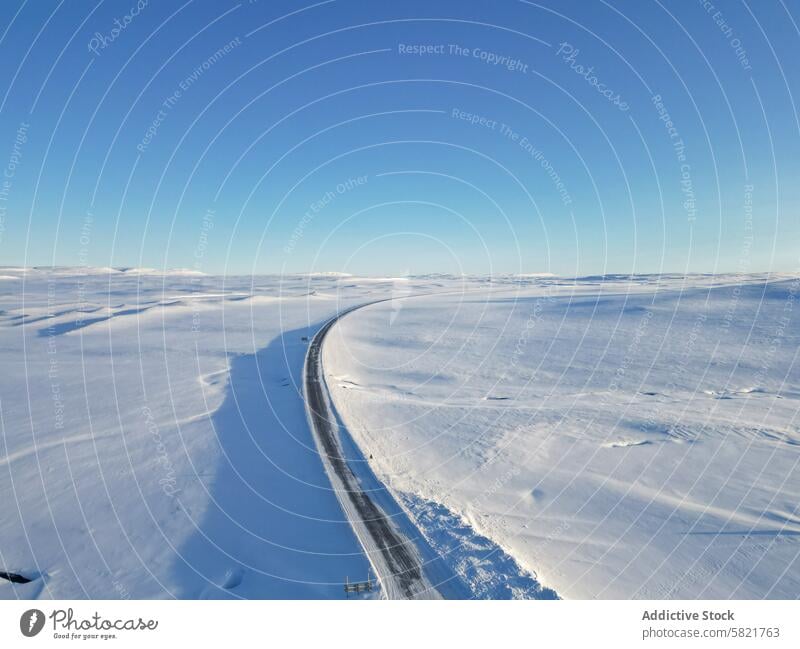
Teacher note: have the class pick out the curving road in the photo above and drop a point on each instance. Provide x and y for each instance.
(393, 557)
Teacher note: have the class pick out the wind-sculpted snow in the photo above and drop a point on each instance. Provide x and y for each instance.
(154, 440)
(486, 569)
(619, 438)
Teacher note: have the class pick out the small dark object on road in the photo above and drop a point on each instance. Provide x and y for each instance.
(358, 586)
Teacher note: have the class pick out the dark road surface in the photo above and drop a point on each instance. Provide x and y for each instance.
(393, 557)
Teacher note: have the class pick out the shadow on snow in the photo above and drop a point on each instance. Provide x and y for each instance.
(273, 527)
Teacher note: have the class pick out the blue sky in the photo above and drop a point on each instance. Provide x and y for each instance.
(389, 138)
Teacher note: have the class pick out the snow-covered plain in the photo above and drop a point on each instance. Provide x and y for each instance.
(154, 440)
(603, 437)
(617, 437)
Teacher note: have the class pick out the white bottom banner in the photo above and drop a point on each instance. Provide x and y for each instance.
(400, 624)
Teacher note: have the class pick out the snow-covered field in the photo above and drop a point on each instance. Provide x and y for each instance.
(154, 441)
(618, 438)
(603, 437)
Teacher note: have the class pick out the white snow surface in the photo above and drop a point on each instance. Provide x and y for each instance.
(601, 437)
(617, 437)
(154, 439)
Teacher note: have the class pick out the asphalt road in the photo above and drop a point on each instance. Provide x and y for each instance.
(393, 557)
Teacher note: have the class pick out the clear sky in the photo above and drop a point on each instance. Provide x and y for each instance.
(573, 137)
